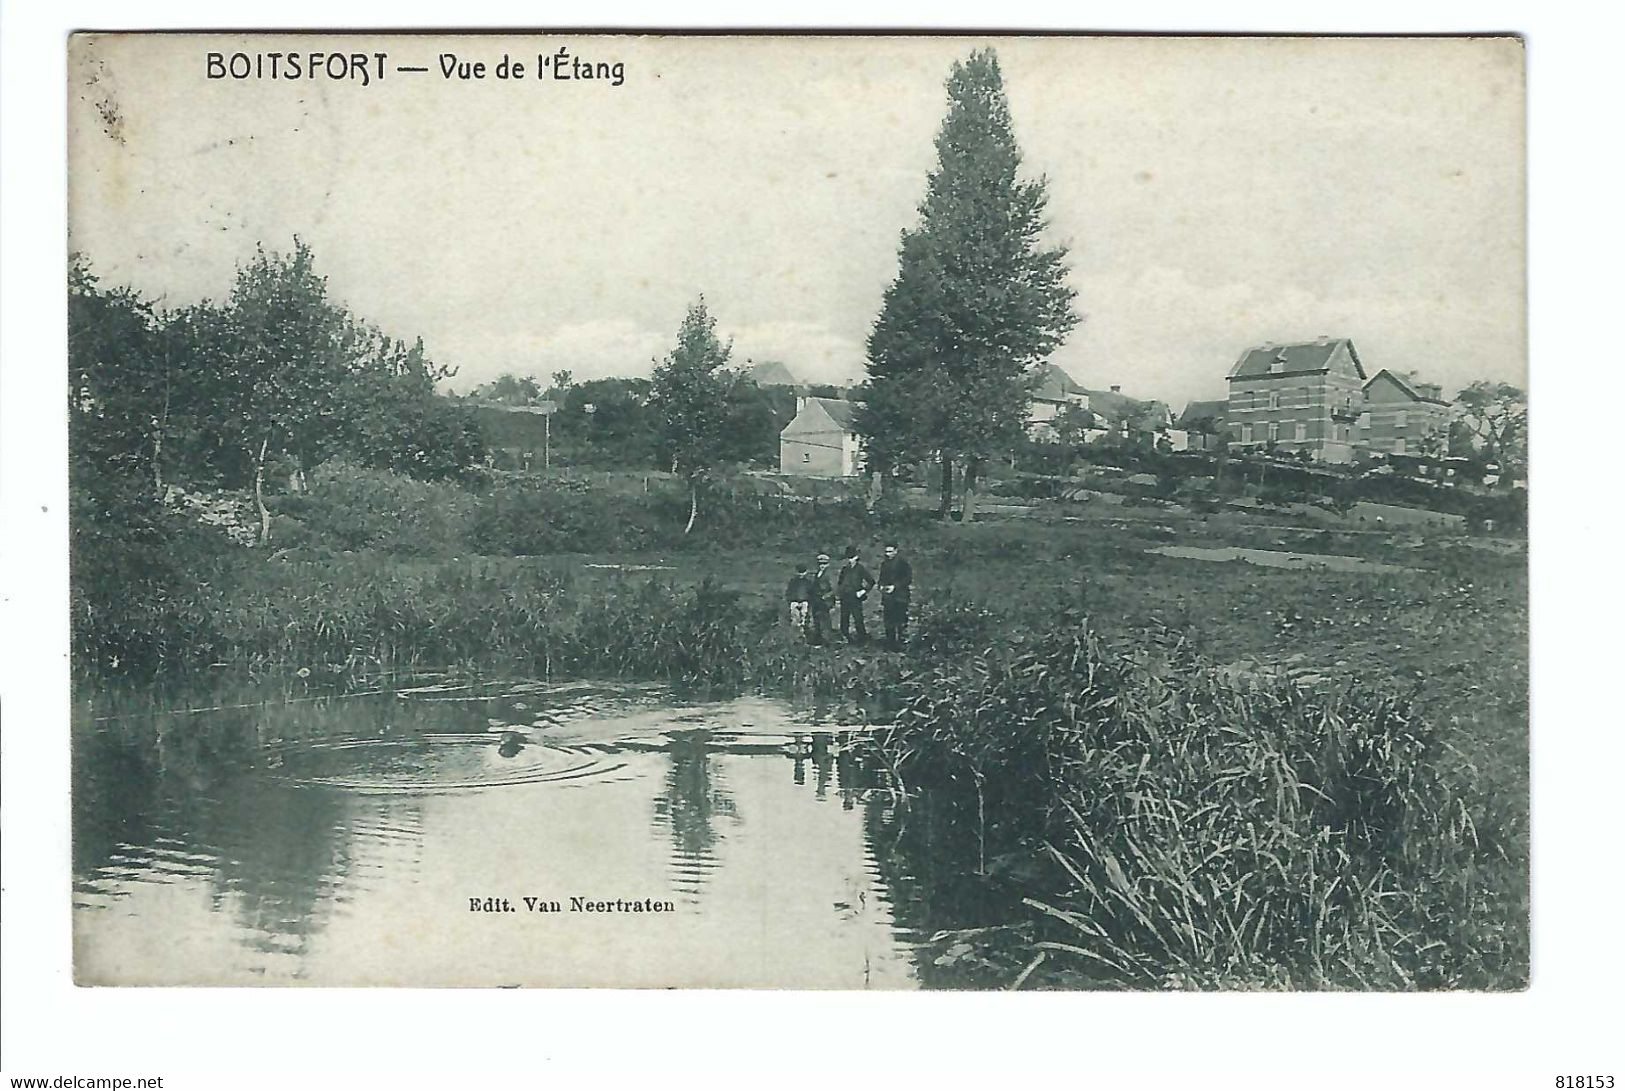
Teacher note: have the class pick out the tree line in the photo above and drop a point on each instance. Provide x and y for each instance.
(279, 377)
(275, 377)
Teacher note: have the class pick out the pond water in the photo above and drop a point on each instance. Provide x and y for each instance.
(1272, 558)
(346, 841)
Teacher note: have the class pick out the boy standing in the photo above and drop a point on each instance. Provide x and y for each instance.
(799, 595)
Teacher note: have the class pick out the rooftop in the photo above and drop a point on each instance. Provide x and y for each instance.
(1296, 359)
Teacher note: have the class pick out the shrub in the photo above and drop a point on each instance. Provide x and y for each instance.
(349, 507)
(526, 517)
(953, 630)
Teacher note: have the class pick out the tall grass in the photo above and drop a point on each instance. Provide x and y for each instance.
(349, 508)
(1199, 833)
(355, 616)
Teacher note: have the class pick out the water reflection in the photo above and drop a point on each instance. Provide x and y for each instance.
(341, 842)
(692, 800)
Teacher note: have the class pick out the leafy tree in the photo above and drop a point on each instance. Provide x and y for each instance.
(1072, 426)
(1498, 416)
(127, 411)
(119, 381)
(1460, 443)
(756, 417)
(689, 397)
(619, 429)
(562, 381)
(978, 301)
(1433, 443)
(274, 360)
(509, 389)
(392, 418)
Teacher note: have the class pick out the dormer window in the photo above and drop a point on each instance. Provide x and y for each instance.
(1278, 363)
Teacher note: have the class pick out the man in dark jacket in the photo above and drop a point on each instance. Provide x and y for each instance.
(852, 585)
(823, 598)
(896, 577)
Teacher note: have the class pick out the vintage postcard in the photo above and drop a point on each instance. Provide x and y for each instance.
(804, 512)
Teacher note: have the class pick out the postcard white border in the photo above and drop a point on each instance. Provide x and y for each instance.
(344, 1037)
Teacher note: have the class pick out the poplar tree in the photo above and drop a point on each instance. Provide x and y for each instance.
(978, 301)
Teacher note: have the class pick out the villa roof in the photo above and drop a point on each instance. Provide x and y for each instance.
(1299, 359)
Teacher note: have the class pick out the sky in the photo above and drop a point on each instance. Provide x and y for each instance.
(1216, 194)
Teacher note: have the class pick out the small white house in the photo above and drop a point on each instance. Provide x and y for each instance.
(820, 441)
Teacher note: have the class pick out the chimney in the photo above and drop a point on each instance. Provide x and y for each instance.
(801, 403)
(1117, 388)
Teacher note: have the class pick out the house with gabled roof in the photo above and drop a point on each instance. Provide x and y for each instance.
(1053, 392)
(1303, 396)
(1122, 415)
(1402, 413)
(1203, 423)
(820, 440)
(770, 373)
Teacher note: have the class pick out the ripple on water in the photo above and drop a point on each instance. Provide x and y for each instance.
(437, 764)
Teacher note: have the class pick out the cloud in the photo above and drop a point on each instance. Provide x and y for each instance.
(813, 352)
(1162, 332)
(593, 349)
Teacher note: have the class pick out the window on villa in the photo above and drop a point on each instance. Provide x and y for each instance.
(1399, 419)
(1275, 401)
(1275, 432)
(1399, 445)
(806, 456)
(1246, 433)
(1300, 432)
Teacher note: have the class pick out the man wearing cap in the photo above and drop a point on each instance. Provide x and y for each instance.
(823, 597)
(852, 585)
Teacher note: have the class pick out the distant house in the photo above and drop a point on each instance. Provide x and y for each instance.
(771, 373)
(1306, 396)
(820, 440)
(1053, 394)
(1203, 423)
(1401, 413)
(1118, 415)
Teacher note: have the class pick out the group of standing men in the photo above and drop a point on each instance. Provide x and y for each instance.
(812, 594)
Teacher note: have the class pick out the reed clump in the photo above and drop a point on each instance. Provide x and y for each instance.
(1193, 831)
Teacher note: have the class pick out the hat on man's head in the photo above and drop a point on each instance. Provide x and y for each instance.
(823, 558)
